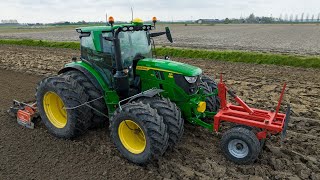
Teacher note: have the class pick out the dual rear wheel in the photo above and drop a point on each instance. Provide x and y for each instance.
(55, 98)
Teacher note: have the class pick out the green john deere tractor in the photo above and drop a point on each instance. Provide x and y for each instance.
(119, 80)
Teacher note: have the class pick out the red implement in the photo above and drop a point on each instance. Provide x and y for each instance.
(24, 112)
(268, 121)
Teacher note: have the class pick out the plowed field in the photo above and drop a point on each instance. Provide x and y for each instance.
(35, 154)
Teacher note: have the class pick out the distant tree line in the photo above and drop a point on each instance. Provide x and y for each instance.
(252, 19)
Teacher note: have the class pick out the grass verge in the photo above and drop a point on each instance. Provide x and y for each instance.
(231, 56)
(40, 43)
(243, 56)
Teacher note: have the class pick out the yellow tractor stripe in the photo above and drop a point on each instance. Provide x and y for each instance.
(144, 68)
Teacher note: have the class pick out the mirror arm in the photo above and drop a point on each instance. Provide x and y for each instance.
(157, 34)
(108, 38)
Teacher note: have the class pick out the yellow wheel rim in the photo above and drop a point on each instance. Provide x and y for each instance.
(54, 109)
(132, 136)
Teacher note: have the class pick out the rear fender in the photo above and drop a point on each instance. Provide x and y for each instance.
(86, 73)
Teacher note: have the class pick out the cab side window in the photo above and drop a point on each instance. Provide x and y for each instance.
(88, 51)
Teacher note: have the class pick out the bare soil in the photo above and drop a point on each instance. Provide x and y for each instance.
(35, 154)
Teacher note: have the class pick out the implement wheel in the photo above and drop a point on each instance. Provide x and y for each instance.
(171, 117)
(139, 133)
(240, 145)
(53, 95)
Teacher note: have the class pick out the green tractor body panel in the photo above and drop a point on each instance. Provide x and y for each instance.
(169, 76)
(169, 66)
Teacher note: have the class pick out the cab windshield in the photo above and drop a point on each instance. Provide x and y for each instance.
(133, 43)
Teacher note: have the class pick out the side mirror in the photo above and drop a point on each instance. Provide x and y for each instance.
(168, 33)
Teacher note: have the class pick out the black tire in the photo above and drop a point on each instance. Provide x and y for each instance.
(210, 102)
(211, 83)
(171, 116)
(98, 119)
(152, 126)
(212, 87)
(254, 130)
(72, 94)
(240, 145)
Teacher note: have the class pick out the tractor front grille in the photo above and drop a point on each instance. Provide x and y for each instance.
(187, 87)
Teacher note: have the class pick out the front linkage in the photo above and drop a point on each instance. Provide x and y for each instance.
(243, 143)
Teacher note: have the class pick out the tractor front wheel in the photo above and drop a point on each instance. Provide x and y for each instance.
(240, 145)
(171, 117)
(55, 95)
(139, 133)
(211, 86)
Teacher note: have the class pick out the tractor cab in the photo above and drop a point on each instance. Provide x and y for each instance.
(116, 49)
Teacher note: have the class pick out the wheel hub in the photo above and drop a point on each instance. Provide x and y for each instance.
(54, 109)
(238, 148)
(132, 136)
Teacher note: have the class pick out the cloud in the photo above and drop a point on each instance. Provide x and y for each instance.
(75, 10)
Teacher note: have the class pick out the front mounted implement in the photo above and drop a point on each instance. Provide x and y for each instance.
(271, 122)
(243, 143)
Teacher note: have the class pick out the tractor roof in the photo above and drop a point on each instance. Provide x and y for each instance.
(106, 28)
(96, 31)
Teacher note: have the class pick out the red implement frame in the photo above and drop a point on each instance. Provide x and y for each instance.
(268, 121)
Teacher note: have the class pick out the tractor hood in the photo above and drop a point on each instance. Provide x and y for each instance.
(169, 66)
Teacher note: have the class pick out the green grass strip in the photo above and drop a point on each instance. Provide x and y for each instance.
(243, 56)
(40, 43)
(231, 56)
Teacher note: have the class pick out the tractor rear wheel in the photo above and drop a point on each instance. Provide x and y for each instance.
(171, 116)
(98, 119)
(240, 145)
(139, 133)
(53, 95)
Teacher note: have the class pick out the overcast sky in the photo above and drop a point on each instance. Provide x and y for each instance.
(46, 11)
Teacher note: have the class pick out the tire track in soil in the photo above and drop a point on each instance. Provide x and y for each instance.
(36, 154)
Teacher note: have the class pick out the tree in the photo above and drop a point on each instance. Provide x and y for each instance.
(297, 18)
(251, 18)
(318, 17)
(312, 17)
(286, 17)
(302, 15)
(307, 17)
(266, 20)
(227, 21)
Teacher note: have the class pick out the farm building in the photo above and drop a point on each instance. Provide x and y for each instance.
(208, 21)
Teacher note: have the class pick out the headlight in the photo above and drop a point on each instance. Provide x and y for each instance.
(191, 79)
